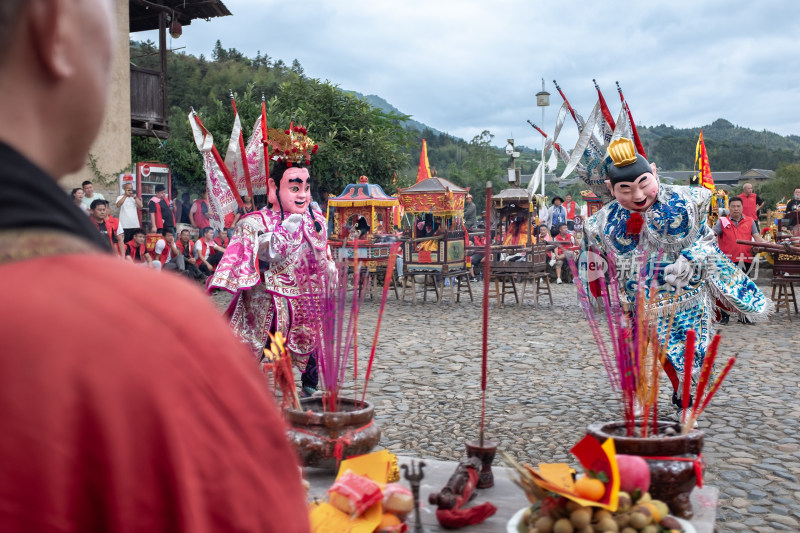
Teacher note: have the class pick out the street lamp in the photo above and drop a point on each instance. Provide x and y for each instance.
(543, 100)
(513, 171)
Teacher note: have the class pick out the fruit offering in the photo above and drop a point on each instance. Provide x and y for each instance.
(636, 513)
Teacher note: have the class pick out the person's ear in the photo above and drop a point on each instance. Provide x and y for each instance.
(655, 172)
(610, 187)
(50, 23)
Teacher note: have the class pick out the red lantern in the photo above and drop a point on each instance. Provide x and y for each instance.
(175, 28)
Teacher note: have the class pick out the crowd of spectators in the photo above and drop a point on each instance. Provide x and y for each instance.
(174, 249)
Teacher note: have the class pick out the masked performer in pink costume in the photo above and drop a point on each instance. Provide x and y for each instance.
(277, 260)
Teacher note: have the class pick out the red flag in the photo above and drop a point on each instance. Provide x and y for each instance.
(424, 171)
(701, 162)
(264, 137)
(636, 140)
(604, 107)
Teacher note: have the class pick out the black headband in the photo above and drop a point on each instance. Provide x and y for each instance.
(628, 173)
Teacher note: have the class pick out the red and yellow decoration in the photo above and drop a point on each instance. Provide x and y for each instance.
(424, 170)
(292, 146)
(437, 196)
(701, 162)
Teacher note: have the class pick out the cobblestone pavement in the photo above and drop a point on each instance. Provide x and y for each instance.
(546, 384)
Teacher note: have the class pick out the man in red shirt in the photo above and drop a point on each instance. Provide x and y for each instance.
(161, 218)
(736, 226)
(198, 214)
(751, 202)
(98, 213)
(567, 249)
(179, 434)
(571, 207)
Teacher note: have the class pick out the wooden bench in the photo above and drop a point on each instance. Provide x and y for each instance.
(459, 282)
(537, 274)
(430, 282)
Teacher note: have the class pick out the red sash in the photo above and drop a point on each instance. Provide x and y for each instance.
(165, 253)
(730, 233)
(132, 248)
(749, 205)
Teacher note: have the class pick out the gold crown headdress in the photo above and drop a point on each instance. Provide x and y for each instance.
(292, 146)
(622, 152)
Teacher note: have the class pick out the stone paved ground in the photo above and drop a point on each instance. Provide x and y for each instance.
(546, 384)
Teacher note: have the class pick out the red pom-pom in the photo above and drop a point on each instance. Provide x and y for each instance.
(286, 132)
(288, 163)
(294, 150)
(634, 224)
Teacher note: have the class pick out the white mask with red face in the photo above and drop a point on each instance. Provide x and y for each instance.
(294, 191)
(639, 194)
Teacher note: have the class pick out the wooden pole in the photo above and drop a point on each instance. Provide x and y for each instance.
(487, 261)
(162, 79)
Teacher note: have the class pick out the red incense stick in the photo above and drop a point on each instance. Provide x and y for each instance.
(705, 373)
(716, 385)
(386, 282)
(487, 251)
(688, 363)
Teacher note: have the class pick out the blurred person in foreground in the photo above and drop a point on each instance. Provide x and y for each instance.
(179, 436)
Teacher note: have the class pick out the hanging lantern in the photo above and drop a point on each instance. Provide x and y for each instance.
(175, 28)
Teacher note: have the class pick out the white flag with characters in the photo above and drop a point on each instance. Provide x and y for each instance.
(255, 160)
(233, 157)
(221, 201)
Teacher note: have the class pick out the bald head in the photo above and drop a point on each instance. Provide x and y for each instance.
(55, 60)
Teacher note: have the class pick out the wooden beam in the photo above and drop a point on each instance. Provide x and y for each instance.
(144, 132)
(162, 49)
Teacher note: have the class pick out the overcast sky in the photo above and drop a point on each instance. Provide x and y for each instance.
(465, 66)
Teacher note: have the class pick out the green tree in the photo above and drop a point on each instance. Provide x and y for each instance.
(779, 188)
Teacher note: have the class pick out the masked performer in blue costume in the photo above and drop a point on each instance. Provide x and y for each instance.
(662, 228)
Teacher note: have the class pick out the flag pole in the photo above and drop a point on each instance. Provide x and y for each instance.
(264, 141)
(245, 167)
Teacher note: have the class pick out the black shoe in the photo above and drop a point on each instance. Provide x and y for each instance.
(745, 321)
(724, 320)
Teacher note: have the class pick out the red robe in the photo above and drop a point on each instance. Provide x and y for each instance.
(123, 414)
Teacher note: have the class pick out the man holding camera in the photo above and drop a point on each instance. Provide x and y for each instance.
(129, 206)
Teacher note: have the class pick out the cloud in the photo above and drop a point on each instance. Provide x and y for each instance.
(463, 66)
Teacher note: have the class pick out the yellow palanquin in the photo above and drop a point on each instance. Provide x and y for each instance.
(368, 201)
(439, 204)
(511, 204)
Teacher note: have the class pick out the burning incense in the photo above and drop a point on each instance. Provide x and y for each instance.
(387, 280)
(280, 365)
(338, 329)
(487, 250)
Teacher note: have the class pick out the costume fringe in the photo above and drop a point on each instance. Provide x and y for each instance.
(757, 317)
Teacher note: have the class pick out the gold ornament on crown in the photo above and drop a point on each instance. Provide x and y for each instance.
(622, 152)
(292, 145)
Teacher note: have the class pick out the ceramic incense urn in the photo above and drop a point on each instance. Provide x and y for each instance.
(324, 438)
(675, 460)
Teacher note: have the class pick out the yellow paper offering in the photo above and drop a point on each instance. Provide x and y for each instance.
(325, 518)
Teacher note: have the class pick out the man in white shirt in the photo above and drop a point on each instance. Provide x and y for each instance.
(207, 252)
(89, 195)
(129, 206)
(167, 255)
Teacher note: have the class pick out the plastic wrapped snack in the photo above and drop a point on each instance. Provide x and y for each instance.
(397, 499)
(353, 494)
